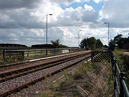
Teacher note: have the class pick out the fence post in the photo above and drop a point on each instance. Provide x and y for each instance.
(35, 52)
(27, 53)
(3, 53)
(92, 55)
(121, 85)
(115, 75)
(54, 51)
(40, 52)
(113, 62)
(23, 55)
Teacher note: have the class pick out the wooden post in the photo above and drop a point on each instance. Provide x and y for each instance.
(3, 53)
(92, 55)
(23, 55)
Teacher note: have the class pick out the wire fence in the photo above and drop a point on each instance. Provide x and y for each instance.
(119, 77)
(120, 86)
(10, 56)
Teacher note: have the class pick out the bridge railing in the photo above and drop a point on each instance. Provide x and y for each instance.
(120, 86)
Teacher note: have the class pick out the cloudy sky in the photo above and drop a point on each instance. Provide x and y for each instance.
(23, 21)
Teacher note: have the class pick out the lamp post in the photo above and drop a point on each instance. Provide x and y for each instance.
(108, 30)
(79, 37)
(47, 31)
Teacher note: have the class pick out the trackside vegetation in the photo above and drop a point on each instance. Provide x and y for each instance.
(120, 46)
(89, 80)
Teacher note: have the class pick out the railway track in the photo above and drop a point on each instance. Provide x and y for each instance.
(7, 75)
(37, 61)
(14, 79)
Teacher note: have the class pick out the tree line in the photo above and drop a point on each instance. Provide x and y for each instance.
(54, 44)
(12, 46)
(87, 43)
(91, 43)
(119, 42)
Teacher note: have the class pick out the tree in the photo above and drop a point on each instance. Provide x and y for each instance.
(123, 43)
(117, 38)
(84, 44)
(112, 45)
(55, 43)
(91, 43)
(120, 42)
(99, 44)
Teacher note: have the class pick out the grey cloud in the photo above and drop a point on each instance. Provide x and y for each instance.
(11, 4)
(23, 18)
(90, 16)
(117, 12)
(54, 34)
(78, 16)
(63, 1)
(22, 36)
(19, 19)
(15, 21)
(28, 37)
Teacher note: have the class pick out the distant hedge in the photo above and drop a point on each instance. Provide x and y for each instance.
(11, 46)
(42, 46)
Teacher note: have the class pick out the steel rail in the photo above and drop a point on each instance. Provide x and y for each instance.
(18, 74)
(39, 59)
(9, 91)
(22, 69)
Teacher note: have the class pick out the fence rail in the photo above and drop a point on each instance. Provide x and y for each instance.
(120, 86)
(9, 56)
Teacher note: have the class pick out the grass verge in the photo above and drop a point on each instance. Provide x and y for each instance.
(89, 80)
(123, 62)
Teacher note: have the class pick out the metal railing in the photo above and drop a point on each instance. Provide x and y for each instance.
(120, 86)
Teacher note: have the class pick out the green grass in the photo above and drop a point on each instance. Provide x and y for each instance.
(119, 57)
(123, 63)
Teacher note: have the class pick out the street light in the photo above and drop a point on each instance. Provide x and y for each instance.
(79, 37)
(108, 30)
(47, 30)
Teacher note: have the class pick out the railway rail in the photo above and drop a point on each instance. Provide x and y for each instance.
(17, 77)
(36, 61)
(10, 74)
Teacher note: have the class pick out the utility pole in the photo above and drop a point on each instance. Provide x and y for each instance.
(79, 37)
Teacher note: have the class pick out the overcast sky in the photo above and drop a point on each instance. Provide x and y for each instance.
(23, 21)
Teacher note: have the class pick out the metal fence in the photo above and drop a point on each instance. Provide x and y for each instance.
(7, 56)
(100, 54)
(120, 86)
